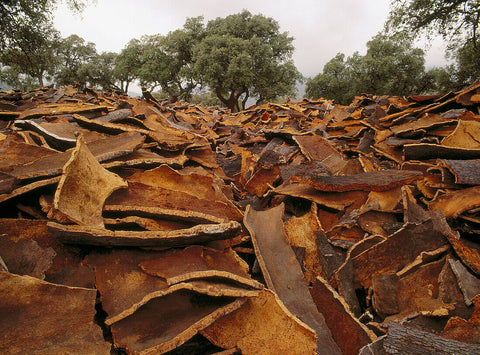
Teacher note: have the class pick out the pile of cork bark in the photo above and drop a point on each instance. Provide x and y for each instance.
(139, 226)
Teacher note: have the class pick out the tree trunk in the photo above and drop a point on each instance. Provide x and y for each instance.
(230, 102)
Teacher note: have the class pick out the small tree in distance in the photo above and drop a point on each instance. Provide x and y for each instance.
(391, 66)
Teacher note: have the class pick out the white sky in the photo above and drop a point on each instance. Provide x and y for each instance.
(321, 28)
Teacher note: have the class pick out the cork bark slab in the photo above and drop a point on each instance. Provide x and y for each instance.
(315, 147)
(398, 250)
(26, 257)
(164, 323)
(465, 171)
(454, 203)
(84, 187)
(40, 317)
(301, 233)
(334, 200)
(143, 197)
(103, 149)
(250, 329)
(371, 181)
(174, 238)
(275, 256)
(198, 185)
(347, 331)
(196, 262)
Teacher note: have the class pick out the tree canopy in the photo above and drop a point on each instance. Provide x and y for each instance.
(390, 66)
(456, 21)
(245, 55)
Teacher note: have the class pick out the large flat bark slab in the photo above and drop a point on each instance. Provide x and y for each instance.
(275, 255)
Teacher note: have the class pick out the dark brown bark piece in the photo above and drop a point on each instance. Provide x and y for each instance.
(426, 151)
(142, 197)
(55, 141)
(19, 229)
(405, 340)
(28, 188)
(385, 291)
(26, 257)
(314, 168)
(371, 181)
(397, 251)
(7, 183)
(40, 317)
(315, 147)
(61, 109)
(119, 280)
(144, 158)
(196, 262)
(427, 121)
(13, 153)
(95, 236)
(347, 331)
(413, 213)
(275, 255)
(164, 323)
(104, 149)
(469, 284)
(213, 288)
(81, 276)
(465, 171)
(334, 200)
(469, 256)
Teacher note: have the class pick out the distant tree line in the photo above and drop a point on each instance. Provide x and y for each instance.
(392, 65)
(240, 57)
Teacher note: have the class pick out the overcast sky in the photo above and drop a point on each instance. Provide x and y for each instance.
(321, 28)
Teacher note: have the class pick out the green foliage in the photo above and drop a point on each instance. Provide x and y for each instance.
(245, 55)
(455, 20)
(32, 54)
(72, 54)
(391, 66)
(28, 41)
(467, 66)
(166, 61)
(99, 71)
(205, 99)
(335, 82)
(128, 64)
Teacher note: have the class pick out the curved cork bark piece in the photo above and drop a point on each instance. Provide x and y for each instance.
(349, 333)
(26, 257)
(371, 181)
(213, 289)
(197, 262)
(301, 233)
(274, 256)
(40, 317)
(140, 196)
(250, 329)
(98, 236)
(84, 187)
(454, 203)
(164, 323)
